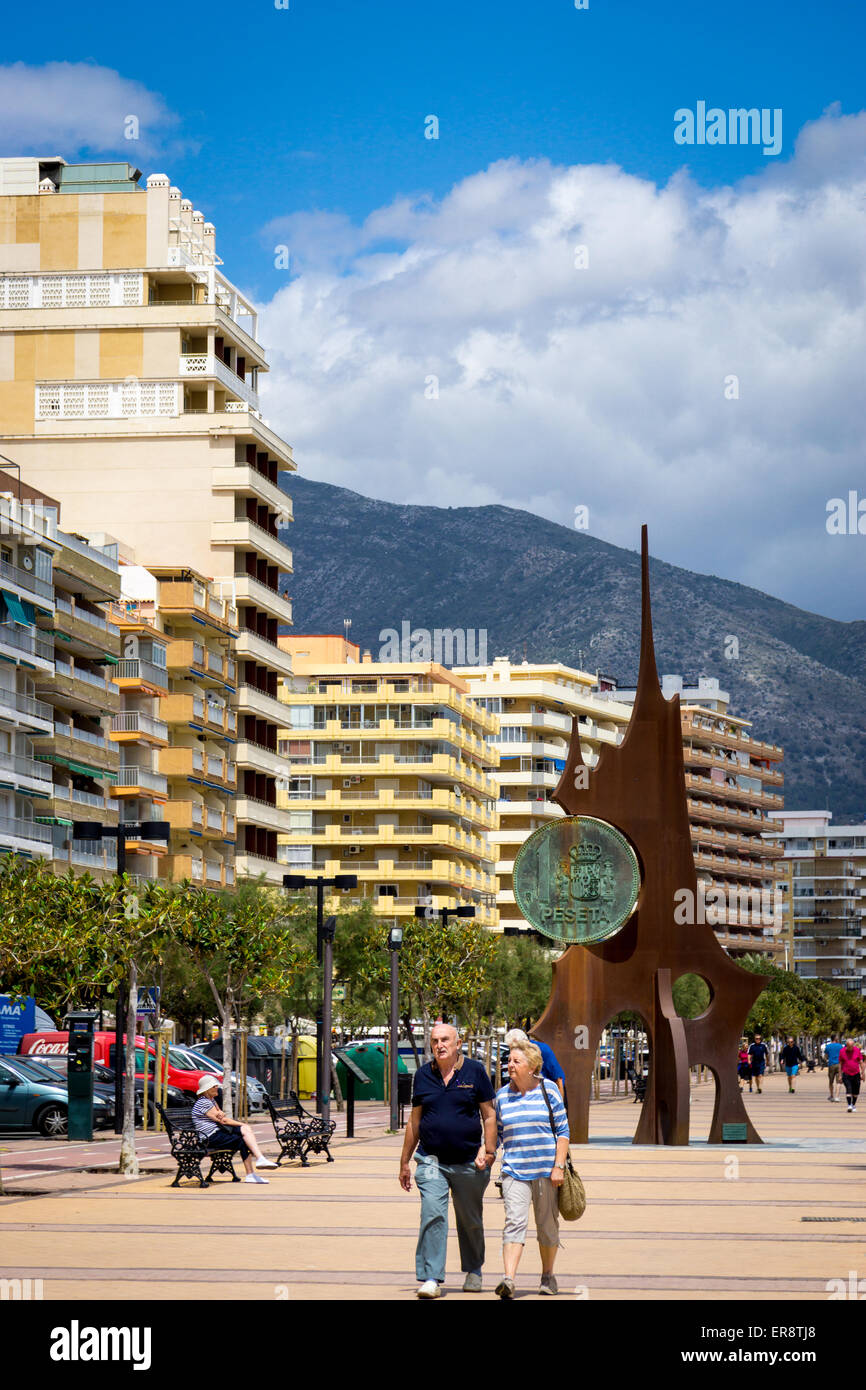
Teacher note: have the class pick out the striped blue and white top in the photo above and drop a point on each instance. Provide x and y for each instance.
(523, 1121)
(204, 1126)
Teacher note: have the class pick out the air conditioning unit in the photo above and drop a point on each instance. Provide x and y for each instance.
(354, 849)
(347, 820)
(353, 780)
(347, 781)
(345, 747)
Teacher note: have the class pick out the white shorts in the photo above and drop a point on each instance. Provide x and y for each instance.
(545, 1205)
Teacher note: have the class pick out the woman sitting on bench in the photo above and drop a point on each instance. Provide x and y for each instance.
(218, 1131)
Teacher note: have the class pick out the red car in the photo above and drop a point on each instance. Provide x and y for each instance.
(175, 1071)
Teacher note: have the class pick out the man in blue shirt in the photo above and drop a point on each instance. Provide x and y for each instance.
(452, 1098)
(758, 1054)
(831, 1052)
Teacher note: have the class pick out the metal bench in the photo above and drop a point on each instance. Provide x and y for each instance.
(638, 1084)
(188, 1148)
(299, 1133)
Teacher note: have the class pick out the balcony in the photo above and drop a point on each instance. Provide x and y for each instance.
(182, 762)
(16, 708)
(187, 596)
(27, 836)
(177, 867)
(25, 774)
(93, 629)
(250, 700)
(28, 581)
(243, 534)
(26, 644)
(243, 479)
(79, 686)
(135, 727)
(139, 781)
(184, 815)
(257, 758)
(255, 865)
(205, 365)
(251, 646)
(250, 590)
(107, 400)
(262, 813)
(141, 675)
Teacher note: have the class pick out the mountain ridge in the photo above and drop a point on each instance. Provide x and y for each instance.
(540, 589)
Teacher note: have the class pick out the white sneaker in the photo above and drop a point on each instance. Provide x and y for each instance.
(254, 1177)
(264, 1163)
(429, 1289)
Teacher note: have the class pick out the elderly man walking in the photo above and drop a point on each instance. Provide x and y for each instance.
(453, 1127)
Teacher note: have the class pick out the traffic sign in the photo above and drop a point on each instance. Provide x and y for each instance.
(338, 992)
(147, 1005)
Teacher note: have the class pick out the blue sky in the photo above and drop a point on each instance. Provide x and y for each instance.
(436, 339)
(321, 106)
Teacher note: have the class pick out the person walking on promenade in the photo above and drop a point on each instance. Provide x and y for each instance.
(219, 1132)
(831, 1053)
(758, 1059)
(791, 1057)
(550, 1068)
(744, 1067)
(452, 1100)
(533, 1127)
(851, 1063)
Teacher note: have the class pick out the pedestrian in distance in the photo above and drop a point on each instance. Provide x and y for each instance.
(851, 1064)
(831, 1053)
(758, 1055)
(453, 1128)
(790, 1058)
(219, 1131)
(550, 1068)
(744, 1066)
(533, 1128)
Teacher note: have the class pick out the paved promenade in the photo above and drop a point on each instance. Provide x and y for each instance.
(762, 1222)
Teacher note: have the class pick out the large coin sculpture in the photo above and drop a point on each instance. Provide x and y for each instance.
(577, 879)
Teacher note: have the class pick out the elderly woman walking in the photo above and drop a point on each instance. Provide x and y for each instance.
(533, 1128)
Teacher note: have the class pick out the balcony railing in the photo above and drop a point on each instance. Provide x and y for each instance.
(25, 704)
(26, 579)
(108, 400)
(136, 723)
(26, 640)
(205, 364)
(25, 767)
(25, 829)
(129, 776)
(80, 673)
(139, 670)
(83, 615)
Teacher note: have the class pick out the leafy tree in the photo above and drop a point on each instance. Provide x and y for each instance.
(691, 996)
(442, 968)
(516, 984)
(244, 946)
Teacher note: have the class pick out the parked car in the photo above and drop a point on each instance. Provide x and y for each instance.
(197, 1060)
(57, 1045)
(30, 1100)
(103, 1080)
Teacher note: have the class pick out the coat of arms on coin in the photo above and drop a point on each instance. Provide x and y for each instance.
(577, 880)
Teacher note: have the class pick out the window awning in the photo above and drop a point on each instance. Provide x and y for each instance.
(16, 608)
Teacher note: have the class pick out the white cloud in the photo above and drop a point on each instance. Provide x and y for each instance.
(64, 108)
(605, 385)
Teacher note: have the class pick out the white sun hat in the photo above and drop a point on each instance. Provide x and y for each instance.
(207, 1083)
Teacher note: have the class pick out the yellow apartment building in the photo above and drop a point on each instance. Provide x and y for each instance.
(179, 641)
(535, 703)
(129, 378)
(390, 777)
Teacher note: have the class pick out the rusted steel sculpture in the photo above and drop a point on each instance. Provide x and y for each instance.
(639, 787)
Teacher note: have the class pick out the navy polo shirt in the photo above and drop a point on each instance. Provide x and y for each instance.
(450, 1117)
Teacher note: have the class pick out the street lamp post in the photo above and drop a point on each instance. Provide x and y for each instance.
(123, 831)
(395, 941)
(325, 933)
(443, 913)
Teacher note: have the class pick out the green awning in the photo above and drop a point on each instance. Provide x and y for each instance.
(111, 660)
(16, 609)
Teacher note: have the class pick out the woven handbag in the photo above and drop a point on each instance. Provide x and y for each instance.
(572, 1194)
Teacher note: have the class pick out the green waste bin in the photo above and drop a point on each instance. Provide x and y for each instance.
(370, 1057)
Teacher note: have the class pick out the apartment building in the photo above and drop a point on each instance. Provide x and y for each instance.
(733, 787)
(390, 778)
(59, 648)
(129, 375)
(535, 704)
(823, 873)
(179, 639)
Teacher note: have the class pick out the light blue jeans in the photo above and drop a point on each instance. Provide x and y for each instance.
(467, 1185)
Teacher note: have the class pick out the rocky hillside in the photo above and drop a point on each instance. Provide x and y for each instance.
(545, 592)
